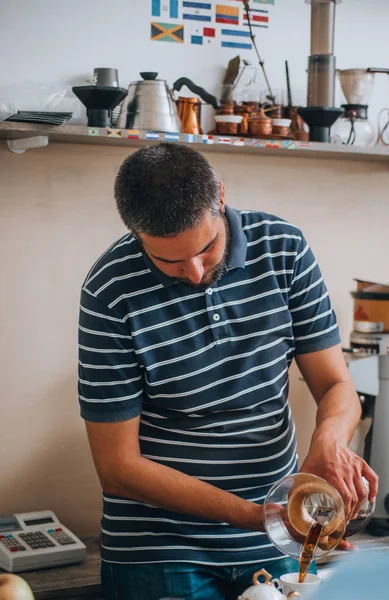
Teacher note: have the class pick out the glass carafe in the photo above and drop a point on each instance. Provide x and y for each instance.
(298, 504)
(353, 128)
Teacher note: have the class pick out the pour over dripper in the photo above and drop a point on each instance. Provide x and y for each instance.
(99, 100)
(357, 85)
(354, 127)
(296, 503)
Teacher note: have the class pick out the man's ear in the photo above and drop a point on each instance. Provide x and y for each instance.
(222, 199)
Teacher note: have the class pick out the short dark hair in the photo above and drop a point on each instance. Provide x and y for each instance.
(166, 189)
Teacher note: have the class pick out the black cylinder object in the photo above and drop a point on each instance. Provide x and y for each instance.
(321, 80)
(320, 120)
(99, 117)
(99, 100)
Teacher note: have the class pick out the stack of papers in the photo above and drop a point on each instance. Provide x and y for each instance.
(51, 118)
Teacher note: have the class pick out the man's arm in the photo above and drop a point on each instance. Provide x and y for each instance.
(124, 472)
(338, 413)
(110, 393)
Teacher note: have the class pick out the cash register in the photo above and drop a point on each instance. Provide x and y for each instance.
(37, 540)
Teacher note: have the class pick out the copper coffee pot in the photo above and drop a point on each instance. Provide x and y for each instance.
(189, 114)
(189, 109)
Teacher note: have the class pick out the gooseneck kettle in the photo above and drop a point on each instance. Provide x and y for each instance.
(150, 105)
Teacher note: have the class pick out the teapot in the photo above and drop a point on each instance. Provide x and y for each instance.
(265, 591)
(150, 105)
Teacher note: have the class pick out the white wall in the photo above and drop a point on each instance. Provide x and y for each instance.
(57, 215)
(54, 41)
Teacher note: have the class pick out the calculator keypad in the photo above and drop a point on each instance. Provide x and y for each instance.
(36, 540)
(12, 543)
(60, 536)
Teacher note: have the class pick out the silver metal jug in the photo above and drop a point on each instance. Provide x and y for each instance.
(149, 105)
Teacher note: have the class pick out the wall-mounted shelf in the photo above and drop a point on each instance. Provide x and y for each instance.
(76, 134)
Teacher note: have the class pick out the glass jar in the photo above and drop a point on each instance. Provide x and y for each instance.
(354, 128)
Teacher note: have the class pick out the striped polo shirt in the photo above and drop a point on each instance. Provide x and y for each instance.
(207, 371)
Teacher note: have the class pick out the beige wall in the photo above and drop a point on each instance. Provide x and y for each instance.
(57, 215)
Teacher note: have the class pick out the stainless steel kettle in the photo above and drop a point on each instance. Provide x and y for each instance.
(150, 105)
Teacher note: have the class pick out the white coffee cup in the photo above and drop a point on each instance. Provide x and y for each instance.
(289, 583)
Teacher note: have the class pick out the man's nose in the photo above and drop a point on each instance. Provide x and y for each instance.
(194, 270)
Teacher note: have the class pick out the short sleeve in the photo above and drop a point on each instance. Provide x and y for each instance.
(110, 384)
(314, 322)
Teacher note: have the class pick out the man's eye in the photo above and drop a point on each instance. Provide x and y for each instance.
(209, 248)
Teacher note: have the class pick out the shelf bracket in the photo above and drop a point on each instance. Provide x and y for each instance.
(20, 145)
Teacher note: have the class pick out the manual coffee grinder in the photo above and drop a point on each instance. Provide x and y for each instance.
(320, 113)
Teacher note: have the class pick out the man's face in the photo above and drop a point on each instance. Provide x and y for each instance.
(196, 257)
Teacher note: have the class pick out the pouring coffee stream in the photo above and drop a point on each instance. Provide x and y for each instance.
(305, 518)
(308, 551)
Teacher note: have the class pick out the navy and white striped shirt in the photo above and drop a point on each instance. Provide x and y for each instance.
(207, 371)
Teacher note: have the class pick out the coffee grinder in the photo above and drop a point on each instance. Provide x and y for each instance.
(354, 127)
(368, 363)
(320, 113)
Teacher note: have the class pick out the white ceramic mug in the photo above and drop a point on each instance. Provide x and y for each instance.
(289, 583)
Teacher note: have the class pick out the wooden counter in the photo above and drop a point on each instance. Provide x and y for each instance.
(75, 582)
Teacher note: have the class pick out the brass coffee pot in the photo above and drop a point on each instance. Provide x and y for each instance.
(189, 114)
(189, 109)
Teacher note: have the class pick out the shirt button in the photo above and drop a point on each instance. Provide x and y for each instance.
(209, 291)
(216, 317)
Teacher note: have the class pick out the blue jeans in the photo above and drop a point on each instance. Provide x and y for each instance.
(185, 580)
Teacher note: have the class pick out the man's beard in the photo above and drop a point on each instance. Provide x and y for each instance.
(217, 272)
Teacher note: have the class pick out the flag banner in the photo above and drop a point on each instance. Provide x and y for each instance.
(227, 14)
(117, 133)
(172, 137)
(167, 32)
(152, 135)
(197, 11)
(190, 138)
(258, 18)
(234, 38)
(164, 8)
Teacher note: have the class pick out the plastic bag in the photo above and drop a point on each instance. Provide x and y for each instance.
(40, 97)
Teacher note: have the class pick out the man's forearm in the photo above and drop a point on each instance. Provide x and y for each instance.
(338, 413)
(149, 482)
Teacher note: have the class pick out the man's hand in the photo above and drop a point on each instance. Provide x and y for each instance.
(339, 411)
(332, 460)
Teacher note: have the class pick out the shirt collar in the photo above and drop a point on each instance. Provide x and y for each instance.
(238, 243)
(236, 258)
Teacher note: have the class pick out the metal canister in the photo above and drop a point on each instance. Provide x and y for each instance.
(321, 80)
(149, 106)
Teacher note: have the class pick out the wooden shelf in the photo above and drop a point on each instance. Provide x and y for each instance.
(76, 134)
